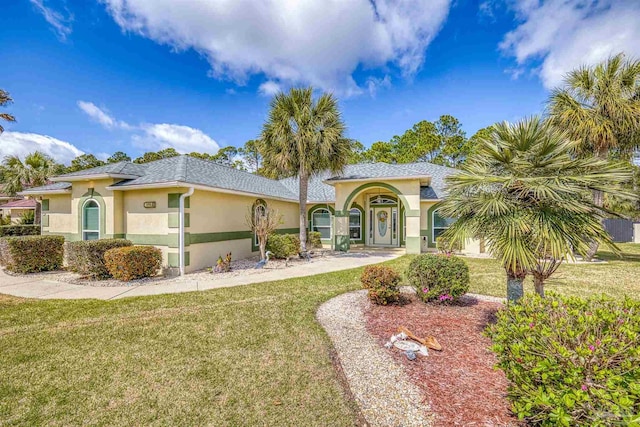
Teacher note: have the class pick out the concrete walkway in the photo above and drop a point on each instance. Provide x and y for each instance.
(32, 287)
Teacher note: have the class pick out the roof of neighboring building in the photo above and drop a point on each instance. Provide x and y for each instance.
(190, 170)
(20, 204)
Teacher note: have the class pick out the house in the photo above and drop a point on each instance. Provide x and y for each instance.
(374, 204)
(15, 209)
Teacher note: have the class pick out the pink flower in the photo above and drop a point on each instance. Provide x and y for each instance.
(445, 297)
(425, 290)
(592, 348)
(531, 325)
(584, 387)
(598, 342)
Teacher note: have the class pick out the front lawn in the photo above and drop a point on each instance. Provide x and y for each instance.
(248, 355)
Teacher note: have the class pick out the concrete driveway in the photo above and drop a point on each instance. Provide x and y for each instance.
(43, 288)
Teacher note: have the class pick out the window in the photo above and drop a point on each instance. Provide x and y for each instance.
(90, 220)
(440, 224)
(355, 221)
(382, 200)
(370, 223)
(321, 222)
(259, 211)
(394, 224)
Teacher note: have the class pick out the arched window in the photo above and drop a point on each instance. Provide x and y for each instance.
(383, 200)
(355, 223)
(90, 220)
(440, 224)
(321, 222)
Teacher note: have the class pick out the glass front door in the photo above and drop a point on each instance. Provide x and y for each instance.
(382, 226)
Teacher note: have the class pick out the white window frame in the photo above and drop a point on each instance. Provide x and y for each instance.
(312, 226)
(382, 200)
(359, 226)
(433, 225)
(84, 230)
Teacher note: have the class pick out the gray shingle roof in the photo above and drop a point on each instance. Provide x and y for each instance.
(317, 191)
(191, 170)
(120, 168)
(49, 187)
(373, 170)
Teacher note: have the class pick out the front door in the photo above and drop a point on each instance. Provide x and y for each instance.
(382, 226)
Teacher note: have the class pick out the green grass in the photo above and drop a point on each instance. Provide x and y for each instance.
(249, 355)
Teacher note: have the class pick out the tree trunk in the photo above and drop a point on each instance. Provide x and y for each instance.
(598, 200)
(304, 183)
(515, 290)
(262, 243)
(538, 282)
(38, 213)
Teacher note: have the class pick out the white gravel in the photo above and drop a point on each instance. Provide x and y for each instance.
(380, 387)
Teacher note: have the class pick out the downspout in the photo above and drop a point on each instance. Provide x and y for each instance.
(181, 232)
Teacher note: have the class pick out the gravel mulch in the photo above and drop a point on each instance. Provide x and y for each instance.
(462, 386)
(384, 393)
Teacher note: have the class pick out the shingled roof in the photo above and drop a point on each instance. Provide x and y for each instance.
(120, 168)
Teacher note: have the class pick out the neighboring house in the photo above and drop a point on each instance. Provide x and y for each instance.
(369, 204)
(16, 208)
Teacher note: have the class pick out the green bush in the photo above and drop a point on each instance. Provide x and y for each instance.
(133, 262)
(382, 284)
(87, 257)
(314, 239)
(283, 246)
(28, 218)
(441, 278)
(446, 246)
(571, 361)
(31, 254)
(19, 230)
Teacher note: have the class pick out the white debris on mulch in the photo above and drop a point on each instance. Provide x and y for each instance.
(380, 387)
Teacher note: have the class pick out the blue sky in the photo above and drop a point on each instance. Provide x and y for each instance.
(139, 75)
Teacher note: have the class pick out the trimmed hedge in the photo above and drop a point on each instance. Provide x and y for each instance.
(314, 239)
(283, 246)
(441, 278)
(571, 361)
(382, 284)
(32, 254)
(19, 230)
(87, 257)
(133, 262)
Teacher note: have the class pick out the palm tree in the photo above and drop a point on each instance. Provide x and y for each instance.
(34, 171)
(5, 100)
(525, 194)
(303, 137)
(600, 107)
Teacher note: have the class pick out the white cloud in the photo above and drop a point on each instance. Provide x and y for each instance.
(317, 42)
(184, 139)
(269, 88)
(101, 116)
(561, 35)
(60, 23)
(374, 84)
(20, 144)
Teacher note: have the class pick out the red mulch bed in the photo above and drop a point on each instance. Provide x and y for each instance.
(461, 385)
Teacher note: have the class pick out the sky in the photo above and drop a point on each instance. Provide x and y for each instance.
(142, 75)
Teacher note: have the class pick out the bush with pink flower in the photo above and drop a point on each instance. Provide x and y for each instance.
(438, 278)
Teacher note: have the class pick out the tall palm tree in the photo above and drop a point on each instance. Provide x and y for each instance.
(5, 100)
(34, 171)
(302, 137)
(600, 107)
(525, 194)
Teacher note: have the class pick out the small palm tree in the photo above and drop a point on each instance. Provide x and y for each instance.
(5, 100)
(599, 106)
(529, 199)
(36, 170)
(303, 137)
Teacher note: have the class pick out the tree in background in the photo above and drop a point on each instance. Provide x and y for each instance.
(228, 156)
(303, 137)
(380, 151)
(119, 156)
(600, 107)
(453, 142)
(34, 171)
(5, 100)
(157, 155)
(84, 161)
(526, 195)
(251, 156)
(357, 152)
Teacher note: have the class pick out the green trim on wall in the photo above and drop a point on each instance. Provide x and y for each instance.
(173, 200)
(45, 205)
(316, 207)
(359, 189)
(342, 243)
(174, 260)
(94, 195)
(174, 219)
(44, 220)
(431, 243)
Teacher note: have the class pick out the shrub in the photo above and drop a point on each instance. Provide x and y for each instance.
(31, 254)
(19, 230)
(438, 277)
(27, 218)
(446, 246)
(569, 360)
(133, 262)
(283, 246)
(382, 284)
(223, 265)
(314, 239)
(87, 257)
